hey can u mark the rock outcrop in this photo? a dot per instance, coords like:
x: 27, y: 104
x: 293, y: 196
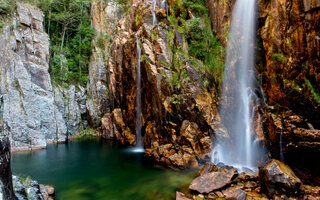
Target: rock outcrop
x: 290, y: 76
x: 105, y: 17
x: 32, y: 190
x: 11, y: 187
x: 277, y: 177
x: 275, y: 180
x: 34, y: 113
x: 213, y: 181
x: 178, y: 121
x: 6, y: 186
x: 287, y: 68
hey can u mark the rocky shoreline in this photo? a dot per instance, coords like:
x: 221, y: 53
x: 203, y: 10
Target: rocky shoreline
x: 17, y: 188
x: 29, y: 189
x: 274, y: 180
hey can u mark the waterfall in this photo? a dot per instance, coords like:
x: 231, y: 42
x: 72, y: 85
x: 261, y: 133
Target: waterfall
x: 164, y: 5
x: 139, y: 139
x: 238, y: 96
x: 280, y: 147
x: 154, y: 4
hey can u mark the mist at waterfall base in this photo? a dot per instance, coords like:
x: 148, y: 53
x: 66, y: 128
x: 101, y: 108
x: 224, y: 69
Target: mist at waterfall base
x: 241, y: 149
x: 98, y: 169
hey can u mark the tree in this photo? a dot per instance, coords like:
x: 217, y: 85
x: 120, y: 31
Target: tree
x: 70, y: 32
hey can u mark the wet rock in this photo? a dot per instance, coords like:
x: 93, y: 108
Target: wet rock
x: 121, y: 131
x: 207, y: 168
x: 234, y: 194
x: 213, y: 181
x: 248, y: 176
x: 183, y: 160
x: 198, y: 197
x: 18, y: 186
x: 6, y: 185
x: 278, y: 178
x: 106, y: 128
x: 47, y: 192
x: 250, y: 184
x: 310, y: 192
x: 256, y: 196
x: 190, y: 132
x: 33, y: 190
x: 181, y: 196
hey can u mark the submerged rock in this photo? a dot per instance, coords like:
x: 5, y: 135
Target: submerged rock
x: 278, y: 178
x: 213, y: 181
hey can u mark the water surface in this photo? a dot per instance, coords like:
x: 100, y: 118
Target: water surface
x: 97, y: 169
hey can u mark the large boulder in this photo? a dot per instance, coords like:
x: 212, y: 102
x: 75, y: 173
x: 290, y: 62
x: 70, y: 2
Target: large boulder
x: 278, y: 178
x: 213, y: 181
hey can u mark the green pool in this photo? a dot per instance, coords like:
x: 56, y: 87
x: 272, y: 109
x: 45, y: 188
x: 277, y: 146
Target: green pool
x: 98, y: 169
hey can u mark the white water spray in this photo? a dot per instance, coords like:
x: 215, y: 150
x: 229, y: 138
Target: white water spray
x: 139, y: 139
x: 236, y: 109
x: 154, y: 4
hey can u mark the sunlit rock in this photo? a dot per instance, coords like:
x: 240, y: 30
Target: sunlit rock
x: 278, y: 178
x: 213, y: 181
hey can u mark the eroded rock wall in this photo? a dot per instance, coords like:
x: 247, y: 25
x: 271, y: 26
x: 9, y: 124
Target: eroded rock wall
x: 178, y: 127
x: 34, y: 113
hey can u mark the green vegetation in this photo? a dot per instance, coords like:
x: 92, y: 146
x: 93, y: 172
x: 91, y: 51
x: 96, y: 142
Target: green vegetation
x: 315, y: 93
x: 26, y: 180
x: 85, y: 133
x: 205, y: 51
x: 6, y: 7
x: 306, y: 85
x: 68, y: 26
x: 278, y: 57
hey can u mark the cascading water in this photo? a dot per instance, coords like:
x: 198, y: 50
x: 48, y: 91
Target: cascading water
x: 139, y: 139
x: 164, y: 5
x: 280, y: 147
x: 236, y: 111
x: 154, y: 4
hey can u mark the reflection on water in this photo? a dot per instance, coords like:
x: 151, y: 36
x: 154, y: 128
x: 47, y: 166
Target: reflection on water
x: 97, y: 169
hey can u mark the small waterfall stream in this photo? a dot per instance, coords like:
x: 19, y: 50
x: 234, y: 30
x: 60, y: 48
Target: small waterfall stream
x: 139, y: 139
x: 164, y: 5
x: 154, y: 4
x: 280, y: 147
x: 236, y: 110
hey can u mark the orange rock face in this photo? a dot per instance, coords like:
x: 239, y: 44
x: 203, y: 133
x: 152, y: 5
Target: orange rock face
x: 288, y: 71
x: 178, y: 122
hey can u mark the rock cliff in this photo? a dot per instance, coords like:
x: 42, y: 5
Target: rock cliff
x: 179, y: 120
x: 34, y: 112
x: 288, y: 71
